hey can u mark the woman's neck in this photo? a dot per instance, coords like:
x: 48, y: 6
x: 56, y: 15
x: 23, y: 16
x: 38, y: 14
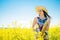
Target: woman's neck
x: 42, y: 16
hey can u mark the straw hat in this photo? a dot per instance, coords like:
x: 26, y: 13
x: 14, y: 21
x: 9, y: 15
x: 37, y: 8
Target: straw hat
x: 38, y: 8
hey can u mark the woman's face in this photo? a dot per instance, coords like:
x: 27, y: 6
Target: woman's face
x: 40, y: 12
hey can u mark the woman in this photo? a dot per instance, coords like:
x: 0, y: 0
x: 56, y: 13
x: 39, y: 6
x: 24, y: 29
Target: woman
x: 43, y: 20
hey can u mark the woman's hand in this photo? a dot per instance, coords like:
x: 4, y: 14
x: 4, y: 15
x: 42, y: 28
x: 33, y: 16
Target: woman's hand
x: 33, y: 29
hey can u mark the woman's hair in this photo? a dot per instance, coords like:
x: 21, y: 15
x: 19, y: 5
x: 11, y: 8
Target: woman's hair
x: 46, y: 14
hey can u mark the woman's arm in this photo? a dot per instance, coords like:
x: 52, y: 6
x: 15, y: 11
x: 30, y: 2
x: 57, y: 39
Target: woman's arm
x: 46, y: 26
x: 34, y: 22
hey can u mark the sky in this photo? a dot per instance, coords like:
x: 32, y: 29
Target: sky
x: 23, y: 11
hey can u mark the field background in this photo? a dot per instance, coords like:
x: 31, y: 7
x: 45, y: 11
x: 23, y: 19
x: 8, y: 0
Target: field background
x: 18, y: 33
